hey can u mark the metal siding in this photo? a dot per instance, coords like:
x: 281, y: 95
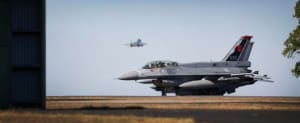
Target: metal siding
x: 22, y: 52
x: 26, y: 50
x: 26, y: 84
x: 25, y: 16
x: 27, y: 53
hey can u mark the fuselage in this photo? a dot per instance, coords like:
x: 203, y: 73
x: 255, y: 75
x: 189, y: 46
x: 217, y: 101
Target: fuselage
x: 192, y: 76
x: 189, y: 69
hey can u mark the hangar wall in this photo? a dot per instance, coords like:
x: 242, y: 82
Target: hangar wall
x: 22, y: 53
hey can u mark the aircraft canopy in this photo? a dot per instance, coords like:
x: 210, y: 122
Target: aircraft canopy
x: 159, y: 64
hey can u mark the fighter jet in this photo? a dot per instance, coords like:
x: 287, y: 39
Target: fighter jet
x: 201, y: 78
x: 137, y: 43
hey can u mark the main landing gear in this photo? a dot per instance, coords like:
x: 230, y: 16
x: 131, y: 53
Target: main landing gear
x: 164, y: 92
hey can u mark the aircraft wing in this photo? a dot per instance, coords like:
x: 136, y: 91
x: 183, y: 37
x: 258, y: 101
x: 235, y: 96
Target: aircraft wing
x: 218, y: 76
x: 262, y: 78
x: 127, y: 44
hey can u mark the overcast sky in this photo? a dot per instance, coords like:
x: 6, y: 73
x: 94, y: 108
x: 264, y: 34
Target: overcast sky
x: 86, y: 51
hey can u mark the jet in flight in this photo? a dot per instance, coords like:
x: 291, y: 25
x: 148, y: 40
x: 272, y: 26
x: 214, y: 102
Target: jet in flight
x: 201, y: 78
x: 137, y: 43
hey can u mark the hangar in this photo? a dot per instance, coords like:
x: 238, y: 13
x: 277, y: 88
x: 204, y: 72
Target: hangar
x: 22, y: 53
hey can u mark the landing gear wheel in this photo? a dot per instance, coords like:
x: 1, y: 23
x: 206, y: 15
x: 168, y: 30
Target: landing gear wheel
x: 163, y: 92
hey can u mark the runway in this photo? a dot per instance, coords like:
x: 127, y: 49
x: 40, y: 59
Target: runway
x: 175, y: 102
x: 201, y: 108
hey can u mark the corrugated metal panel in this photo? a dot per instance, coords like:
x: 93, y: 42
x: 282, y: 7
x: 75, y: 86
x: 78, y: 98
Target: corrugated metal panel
x: 22, y: 50
x: 27, y: 53
x: 26, y: 50
x: 26, y: 86
x: 25, y: 16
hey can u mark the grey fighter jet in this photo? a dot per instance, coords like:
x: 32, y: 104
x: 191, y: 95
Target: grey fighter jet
x: 201, y: 78
x: 137, y: 43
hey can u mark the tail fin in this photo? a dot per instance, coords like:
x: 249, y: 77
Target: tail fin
x: 241, y: 50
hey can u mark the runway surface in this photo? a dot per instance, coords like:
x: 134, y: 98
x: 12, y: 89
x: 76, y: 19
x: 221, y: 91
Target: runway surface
x: 201, y: 108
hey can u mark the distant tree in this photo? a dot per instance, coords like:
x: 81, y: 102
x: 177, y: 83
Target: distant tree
x: 292, y: 44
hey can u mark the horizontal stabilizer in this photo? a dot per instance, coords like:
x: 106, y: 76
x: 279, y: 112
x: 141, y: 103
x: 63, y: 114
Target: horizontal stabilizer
x: 253, y: 75
x: 264, y: 78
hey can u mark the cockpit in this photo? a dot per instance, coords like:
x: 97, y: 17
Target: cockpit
x: 159, y: 64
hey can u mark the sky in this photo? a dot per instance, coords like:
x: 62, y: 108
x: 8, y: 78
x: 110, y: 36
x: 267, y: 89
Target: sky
x: 86, y: 51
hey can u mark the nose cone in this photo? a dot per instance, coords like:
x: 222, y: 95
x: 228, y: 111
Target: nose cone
x: 133, y: 75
